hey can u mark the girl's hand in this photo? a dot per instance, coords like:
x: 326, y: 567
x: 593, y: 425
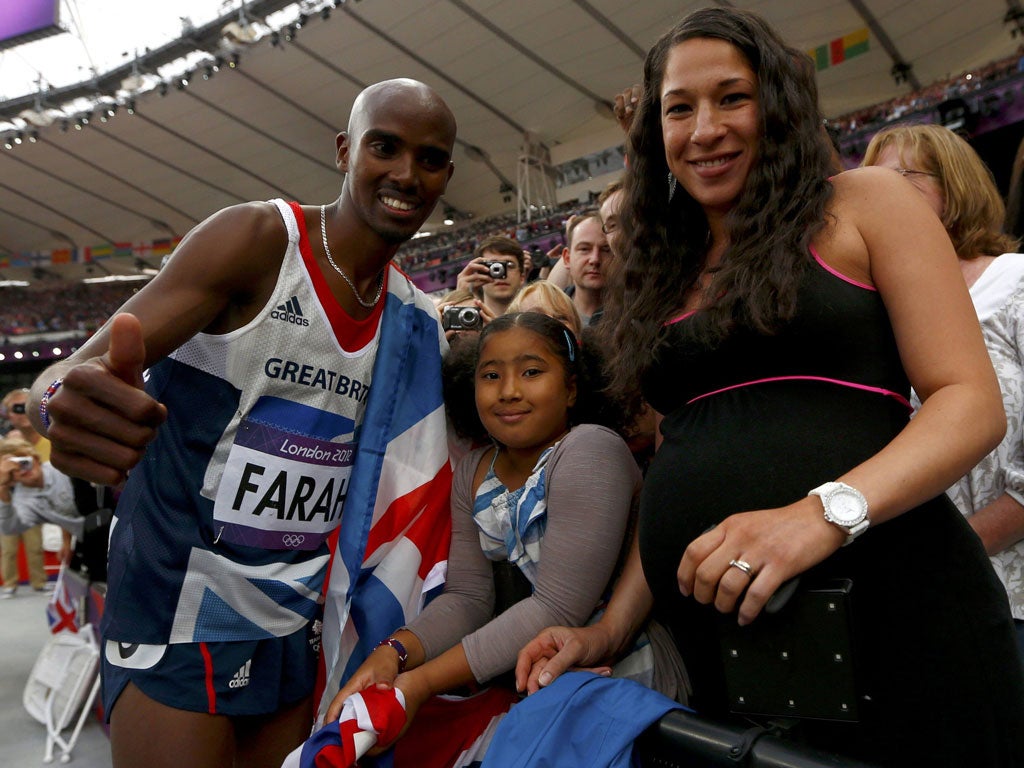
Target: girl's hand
x: 777, y: 544
x: 414, y: 687
x: 379, y: 669
x: 558, y: 649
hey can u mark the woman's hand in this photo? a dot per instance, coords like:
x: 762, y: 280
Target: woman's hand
x: 558, y: 649
x: 379, y: 669
x: 777, y: 544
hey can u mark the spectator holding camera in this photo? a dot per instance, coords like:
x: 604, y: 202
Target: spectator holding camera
x: 495, y: 274
x: 32, y: 492
x: 32, y: 536
x: 462, y: 312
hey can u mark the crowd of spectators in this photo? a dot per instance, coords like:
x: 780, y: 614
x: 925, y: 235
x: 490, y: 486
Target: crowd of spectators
x: 930, y: 96
x: 85, y: 307
x: 457, y: 245
x: 79, y: 307
x: 65, y: 307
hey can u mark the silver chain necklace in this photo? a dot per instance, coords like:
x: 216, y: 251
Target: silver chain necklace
x: 340, y: 271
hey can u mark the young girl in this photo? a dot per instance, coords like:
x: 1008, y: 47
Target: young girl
x: 538, y: 521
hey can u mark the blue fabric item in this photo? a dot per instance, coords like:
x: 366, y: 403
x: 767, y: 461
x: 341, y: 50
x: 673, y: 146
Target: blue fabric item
x: 581, y: 719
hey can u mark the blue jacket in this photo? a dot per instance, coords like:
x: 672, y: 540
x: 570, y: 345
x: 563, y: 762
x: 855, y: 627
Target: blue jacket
x: 581, y: 719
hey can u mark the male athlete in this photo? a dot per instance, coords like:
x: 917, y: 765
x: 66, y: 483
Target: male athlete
x: 292, y: 387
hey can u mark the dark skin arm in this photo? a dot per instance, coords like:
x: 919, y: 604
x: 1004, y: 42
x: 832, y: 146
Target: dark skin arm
x: 221, y: 275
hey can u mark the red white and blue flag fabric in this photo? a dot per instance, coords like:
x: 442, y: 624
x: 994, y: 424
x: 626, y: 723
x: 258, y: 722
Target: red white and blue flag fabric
x: 68, y: 594
x: 366, y: 718
x: 390, y: 553
x: 448, y: 732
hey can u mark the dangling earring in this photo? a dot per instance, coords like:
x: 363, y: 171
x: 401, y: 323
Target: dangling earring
x: 671, y: 185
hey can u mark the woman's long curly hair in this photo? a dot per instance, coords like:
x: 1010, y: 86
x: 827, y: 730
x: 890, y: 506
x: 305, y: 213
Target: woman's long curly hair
x: 782, y: 206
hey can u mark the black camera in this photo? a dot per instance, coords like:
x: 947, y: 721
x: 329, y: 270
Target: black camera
x: 497, y: 269
x: 541, y: 260
x: 462, y: 318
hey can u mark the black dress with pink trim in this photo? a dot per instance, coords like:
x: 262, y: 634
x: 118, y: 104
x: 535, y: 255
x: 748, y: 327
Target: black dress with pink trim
x: 755, y: 423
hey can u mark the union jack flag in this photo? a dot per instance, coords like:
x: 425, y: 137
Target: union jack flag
x: 365, y: 718
x: 62, y: 610
x: 389, y: 555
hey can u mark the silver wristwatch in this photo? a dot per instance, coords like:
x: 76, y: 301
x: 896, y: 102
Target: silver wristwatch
x: 845, y: 507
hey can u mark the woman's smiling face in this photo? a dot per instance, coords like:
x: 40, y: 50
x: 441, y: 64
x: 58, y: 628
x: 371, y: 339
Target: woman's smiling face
x: 710, y: 120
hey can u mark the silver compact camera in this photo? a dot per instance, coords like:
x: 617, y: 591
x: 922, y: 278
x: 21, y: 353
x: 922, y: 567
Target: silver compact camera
x: 24, y: 462
x: 497, y: 269
x: 461, y: 319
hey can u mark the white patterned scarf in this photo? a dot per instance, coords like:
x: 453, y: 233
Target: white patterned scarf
x: 512, y: 523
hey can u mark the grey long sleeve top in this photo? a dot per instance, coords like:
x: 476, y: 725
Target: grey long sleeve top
x: 53, y: 503
x: 592, y: 482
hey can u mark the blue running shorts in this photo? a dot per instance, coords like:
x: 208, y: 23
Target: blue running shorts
x: 249, y: 677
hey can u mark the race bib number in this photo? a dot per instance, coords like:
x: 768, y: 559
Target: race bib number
x: 281, y: 490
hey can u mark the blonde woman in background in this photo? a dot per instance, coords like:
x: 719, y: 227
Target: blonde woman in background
x: 547, y: 298
x: 959, y: 187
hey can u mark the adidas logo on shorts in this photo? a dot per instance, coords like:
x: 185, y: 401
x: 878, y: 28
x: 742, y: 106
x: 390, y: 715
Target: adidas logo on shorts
x: 290, y: 312
x: 241, y: 678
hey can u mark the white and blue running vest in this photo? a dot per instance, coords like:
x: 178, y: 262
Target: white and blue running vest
x: 221, y: 531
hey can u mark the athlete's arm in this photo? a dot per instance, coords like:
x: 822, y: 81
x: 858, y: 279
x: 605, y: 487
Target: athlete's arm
x: 220, y: 275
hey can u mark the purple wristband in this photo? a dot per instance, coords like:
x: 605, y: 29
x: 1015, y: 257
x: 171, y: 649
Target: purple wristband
x: 44, y: 403
x: 403, y: 655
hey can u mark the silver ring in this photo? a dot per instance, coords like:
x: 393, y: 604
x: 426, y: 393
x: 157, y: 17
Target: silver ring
x: 743, y: 565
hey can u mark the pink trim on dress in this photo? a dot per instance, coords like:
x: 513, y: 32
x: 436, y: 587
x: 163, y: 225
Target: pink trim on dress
x: 877, y: 390
x: 840, y: 275
x: 680, y: 317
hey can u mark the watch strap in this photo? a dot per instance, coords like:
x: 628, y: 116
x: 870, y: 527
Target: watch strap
x: 824, y: 491
x: 403, y: 654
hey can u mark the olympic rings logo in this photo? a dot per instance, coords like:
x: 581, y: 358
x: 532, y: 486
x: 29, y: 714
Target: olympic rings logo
x: 292, y: 539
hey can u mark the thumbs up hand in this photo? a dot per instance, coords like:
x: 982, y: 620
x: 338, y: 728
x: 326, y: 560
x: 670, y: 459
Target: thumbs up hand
x: 101, y: 418
x: 126, y: 356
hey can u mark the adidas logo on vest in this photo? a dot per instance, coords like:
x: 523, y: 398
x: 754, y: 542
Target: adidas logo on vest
x: 290, y: 312
x: 241, y: 678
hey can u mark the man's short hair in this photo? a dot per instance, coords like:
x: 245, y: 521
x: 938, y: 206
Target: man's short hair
x: 505, y: 246
x: 576, y: 221
x: 608, y: 191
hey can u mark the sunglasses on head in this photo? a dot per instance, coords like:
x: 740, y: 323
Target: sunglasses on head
x: 18, y: 408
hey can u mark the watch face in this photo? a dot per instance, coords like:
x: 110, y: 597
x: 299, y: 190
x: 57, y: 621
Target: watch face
x: 845, y: 508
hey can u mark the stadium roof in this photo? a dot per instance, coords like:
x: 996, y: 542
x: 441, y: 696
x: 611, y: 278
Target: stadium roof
x: 507, y: 67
